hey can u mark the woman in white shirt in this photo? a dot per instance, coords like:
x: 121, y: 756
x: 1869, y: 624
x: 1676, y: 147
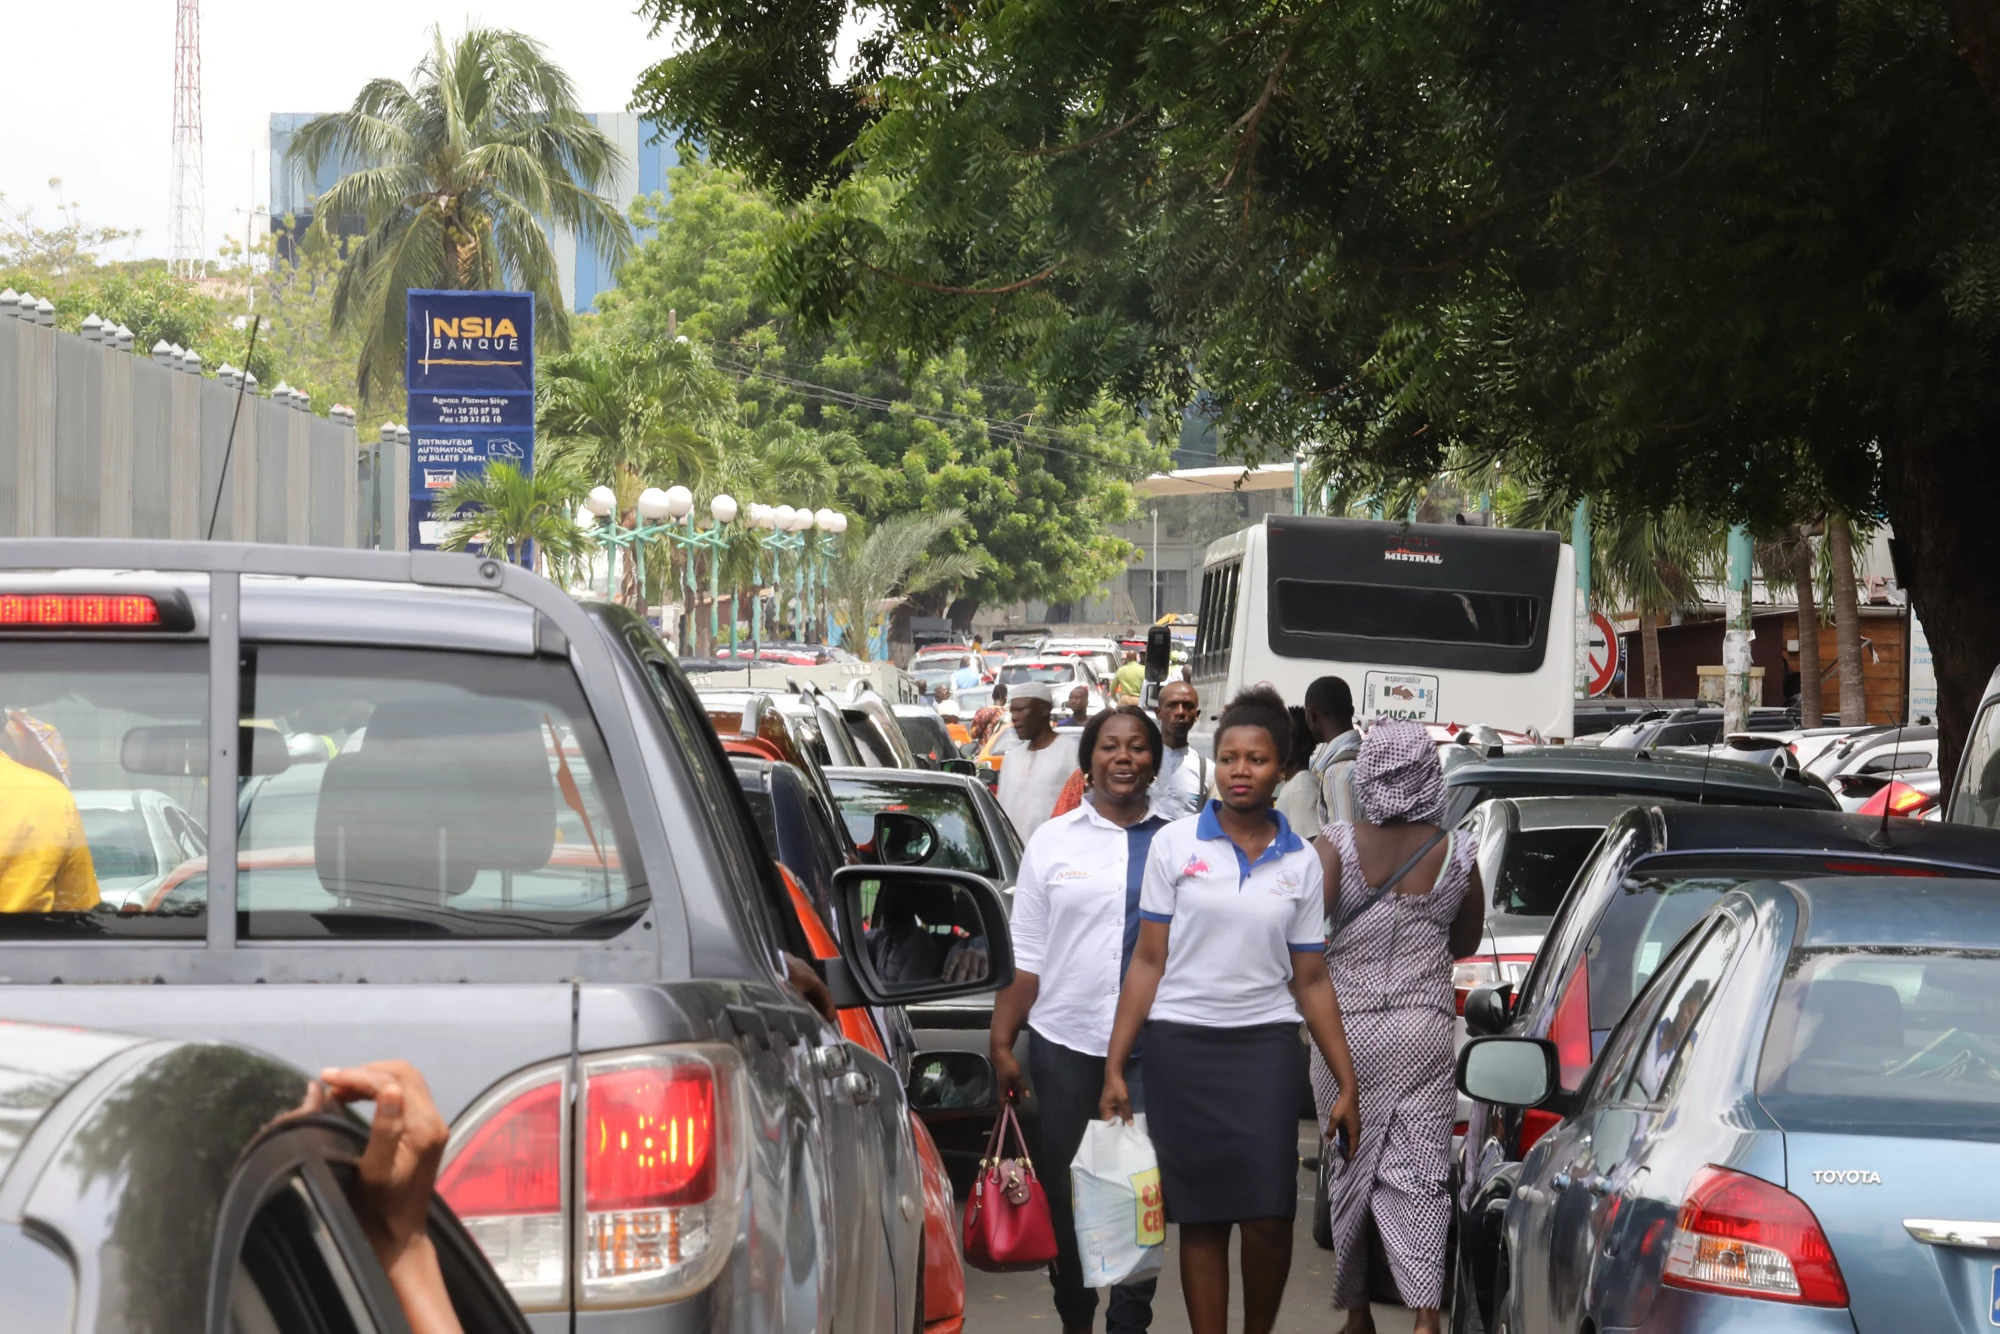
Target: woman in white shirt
x: 1076, y: 916
x: 1231, y: 899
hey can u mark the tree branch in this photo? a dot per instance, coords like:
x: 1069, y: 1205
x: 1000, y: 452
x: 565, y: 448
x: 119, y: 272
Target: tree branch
x: 929, y: 286
x: 1094, y: 140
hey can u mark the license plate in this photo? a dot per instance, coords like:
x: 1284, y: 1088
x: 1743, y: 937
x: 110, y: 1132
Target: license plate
x: 1408, y: 695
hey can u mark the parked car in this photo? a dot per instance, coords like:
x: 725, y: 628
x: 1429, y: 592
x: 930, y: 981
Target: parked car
x: 930, y: 740
x: 1699, y: 725
x: 137, y: 837
x: 974, y: 835
x: 1791, y: 1129
x: 1060, y: 675
x: 816, y: 724
x: 871, y: 719
x: 150, y: 1184
x: 533, y: 875
x: 1572, y: 771
x: 1656, y: 872
x: 809, y: 841
x: 1975, y: 789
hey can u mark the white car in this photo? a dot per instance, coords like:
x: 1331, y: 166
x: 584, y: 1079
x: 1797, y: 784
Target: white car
x: 137, y: 838
x: 1060, y: 674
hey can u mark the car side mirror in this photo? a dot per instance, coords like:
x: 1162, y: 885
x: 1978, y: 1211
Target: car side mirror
x: 1509, y: 1071
x: 964, y: 768
x: 1489, y: 1009
x: 952, y: 1081
x: 902, y: 839
x: 913, y: 934
x: 970, y: 750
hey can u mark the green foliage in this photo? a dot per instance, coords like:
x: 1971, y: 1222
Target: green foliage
x: 1037, y: 487
x: 44, y: 256
x: 874, y: 574
x: 632, y: 413
x: 463, y: 164
x: 513, y: 510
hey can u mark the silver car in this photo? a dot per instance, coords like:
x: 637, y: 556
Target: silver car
x: 520, y: 860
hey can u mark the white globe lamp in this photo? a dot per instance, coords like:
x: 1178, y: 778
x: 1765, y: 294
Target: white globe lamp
x: 680, y: 502
x: 602, y: 501
x: 722, y: 509
x: 823, y: 520
x: 802, y: 519
x: 781, y: 518
x: 839, y: 523
x: 654, y: 504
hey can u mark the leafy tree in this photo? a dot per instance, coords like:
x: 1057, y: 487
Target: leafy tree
x: 1664, y: 254
x: 631, y: 413
x: 466, y: 161
x: 46, y: 255
x: 909, y: 435
x: 872, y: 575
x: 512, y: 510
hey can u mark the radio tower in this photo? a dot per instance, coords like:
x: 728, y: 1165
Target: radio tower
x: 186, y: 226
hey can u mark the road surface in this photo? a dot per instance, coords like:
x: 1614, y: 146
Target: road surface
x: 1021, y: 1303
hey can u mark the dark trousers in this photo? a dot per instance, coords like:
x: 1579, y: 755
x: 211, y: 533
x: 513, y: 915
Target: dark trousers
x: 1068, y: 1084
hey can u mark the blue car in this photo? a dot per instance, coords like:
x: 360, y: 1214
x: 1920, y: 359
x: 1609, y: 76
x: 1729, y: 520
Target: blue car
x: 1795, y: 1127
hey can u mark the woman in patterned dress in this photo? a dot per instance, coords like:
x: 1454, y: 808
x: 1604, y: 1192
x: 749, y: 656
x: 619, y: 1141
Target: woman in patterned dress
x: 1390, y: 955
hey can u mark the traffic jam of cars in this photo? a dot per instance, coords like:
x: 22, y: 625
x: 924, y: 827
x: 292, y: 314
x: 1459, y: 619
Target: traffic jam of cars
x: 692, y: 963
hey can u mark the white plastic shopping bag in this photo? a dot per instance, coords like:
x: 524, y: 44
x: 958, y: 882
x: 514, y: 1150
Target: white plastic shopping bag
x: 1121, y: 1219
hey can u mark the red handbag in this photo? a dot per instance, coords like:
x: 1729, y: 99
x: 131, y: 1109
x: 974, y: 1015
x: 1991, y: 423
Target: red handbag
x: 1007, y: 1225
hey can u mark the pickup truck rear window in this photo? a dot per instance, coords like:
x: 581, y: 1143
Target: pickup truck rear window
x: 381, y: 792
x: 426, y: 793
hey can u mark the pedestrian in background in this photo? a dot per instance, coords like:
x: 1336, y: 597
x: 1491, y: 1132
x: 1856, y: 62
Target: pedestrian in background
x: 1184, y: 774
x: 1129, y: 682
x: 1077, y: 710
x: 1075, y: 920
x: 1034, y: 769
x: 1329, y: 795
x: 1403, y: 901
x: 989, y: 716
x: 1228, y: 957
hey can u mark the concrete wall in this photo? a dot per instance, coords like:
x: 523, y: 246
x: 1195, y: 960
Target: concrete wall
x: 100, y: 443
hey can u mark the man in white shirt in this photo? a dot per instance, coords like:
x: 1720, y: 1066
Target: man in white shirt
x: 1182, y: 786
x: 1323, y: 793
x: 1033, y: 772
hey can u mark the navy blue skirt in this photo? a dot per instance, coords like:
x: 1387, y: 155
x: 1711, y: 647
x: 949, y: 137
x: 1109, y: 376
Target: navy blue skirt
x: 1222, y: 1107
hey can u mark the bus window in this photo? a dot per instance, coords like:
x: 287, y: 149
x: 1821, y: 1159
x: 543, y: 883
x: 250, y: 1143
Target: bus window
x: 1428, y: 615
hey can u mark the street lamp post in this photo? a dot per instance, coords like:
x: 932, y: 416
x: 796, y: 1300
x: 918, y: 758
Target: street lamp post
x: 667, y: 515
x: 777, y: 536
x: 831, y: 524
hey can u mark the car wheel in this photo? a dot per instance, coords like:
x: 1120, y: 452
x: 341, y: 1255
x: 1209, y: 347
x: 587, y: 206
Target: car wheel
x: 1322, y: 1191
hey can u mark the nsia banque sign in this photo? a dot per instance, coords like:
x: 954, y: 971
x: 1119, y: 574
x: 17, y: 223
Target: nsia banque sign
x: 471, y: 376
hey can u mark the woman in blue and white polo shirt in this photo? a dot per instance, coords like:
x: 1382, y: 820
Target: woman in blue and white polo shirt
x: 1230, y: 899
x: 1076, y: 915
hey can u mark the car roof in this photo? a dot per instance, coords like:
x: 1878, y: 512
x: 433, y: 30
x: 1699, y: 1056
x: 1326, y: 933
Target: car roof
x: 1569, y: 812
x: 1663, y: 773
x: 1691, y: 828
x: 1898, y: 911
x: 836, y: 774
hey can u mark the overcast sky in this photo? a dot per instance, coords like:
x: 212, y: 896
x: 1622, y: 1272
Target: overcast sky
x: 88, y: 92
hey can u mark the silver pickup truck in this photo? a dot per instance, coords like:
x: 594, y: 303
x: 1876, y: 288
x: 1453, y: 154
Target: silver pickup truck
x: 426, y: 806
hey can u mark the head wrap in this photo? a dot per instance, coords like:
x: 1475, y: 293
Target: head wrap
x: 1397, y: 776
x: 1030, y: 690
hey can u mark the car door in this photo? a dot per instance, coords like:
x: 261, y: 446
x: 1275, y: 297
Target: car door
x: 1616, y: 1132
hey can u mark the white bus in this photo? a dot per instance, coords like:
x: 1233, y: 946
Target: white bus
x: 1432, y: 622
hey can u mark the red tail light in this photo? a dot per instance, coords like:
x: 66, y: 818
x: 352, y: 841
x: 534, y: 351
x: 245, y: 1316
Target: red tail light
x: 1477, y: 970
x: 90, y: 610
x: 1742, y: 1235
x: 651, y: 1138
x: 1570, y: 1029
x: 662, y: 1177
x: 1898, y: 798
x: 503, y: 1177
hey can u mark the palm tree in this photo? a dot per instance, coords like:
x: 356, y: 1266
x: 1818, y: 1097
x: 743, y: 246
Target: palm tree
x: 870, y: 577
x: 513, y: 510
x: 1846, y: 619
x: 459, y: 168
x: 628, y: 414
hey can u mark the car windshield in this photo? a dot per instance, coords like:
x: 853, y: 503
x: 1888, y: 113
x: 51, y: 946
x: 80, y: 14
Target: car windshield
x: 1657, y: 904
x: 1886, y: 1042
x: 1539, y: 865
x: 121, y: 847
x: 962, y: 840
x: 927, y: 737
x: 1052, y: 673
